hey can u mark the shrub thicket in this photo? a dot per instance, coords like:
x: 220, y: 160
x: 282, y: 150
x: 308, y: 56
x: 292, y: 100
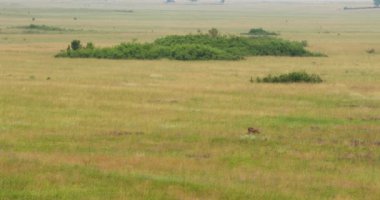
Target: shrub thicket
x: 194, y: 47
x: 260, y: 32
x: 292, y: 77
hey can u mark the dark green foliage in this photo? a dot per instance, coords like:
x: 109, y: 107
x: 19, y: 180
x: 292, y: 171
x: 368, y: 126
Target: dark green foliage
x: 194, y: 47
x: 241, y: 46
x: 199, y: 52
x: 150, y: 52
x: 75, y: 45
x: 260, y: 32
x: 292, y: 77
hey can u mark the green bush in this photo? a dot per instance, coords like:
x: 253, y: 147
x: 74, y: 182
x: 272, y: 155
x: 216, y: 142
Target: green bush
x: 199, y: 52
x: 90, y: 45
x: 260, y: 32
x: 75, y: 45
x: 292, y: 77
x: 242, y: 46
x: 193, y: 47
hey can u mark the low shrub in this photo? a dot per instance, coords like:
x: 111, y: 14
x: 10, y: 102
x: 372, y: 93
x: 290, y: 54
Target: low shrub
x: 292, y: 77
x: 149, y: 52
x: 76, y: 45
x: 90, y: 45
x: 260, y: 32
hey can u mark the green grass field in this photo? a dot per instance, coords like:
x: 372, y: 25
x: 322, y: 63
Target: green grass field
x: 128, y: 129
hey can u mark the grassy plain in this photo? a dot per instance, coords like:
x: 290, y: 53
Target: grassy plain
x: 127, y: 129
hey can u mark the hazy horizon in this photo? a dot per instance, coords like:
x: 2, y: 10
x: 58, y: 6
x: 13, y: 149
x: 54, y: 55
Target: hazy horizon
x: 105, y: 4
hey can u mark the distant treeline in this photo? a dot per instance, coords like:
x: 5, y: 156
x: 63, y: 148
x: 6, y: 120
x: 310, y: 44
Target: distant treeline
x: 360, y: 8
x: 42, y: 28
x: 192, y: 47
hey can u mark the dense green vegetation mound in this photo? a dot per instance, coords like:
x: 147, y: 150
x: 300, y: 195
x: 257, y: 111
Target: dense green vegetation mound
x: 194, y: 47
x: 260, y: 32
x: 292, y: 77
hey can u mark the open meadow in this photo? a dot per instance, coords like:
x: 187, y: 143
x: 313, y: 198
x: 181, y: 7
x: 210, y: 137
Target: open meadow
x: 166, y: 129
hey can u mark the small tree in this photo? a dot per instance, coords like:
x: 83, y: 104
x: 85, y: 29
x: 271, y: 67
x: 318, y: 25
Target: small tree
x: 75, y: 45
x: 213, y: 32
x: 376, y: 2
x: 90, y: 45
